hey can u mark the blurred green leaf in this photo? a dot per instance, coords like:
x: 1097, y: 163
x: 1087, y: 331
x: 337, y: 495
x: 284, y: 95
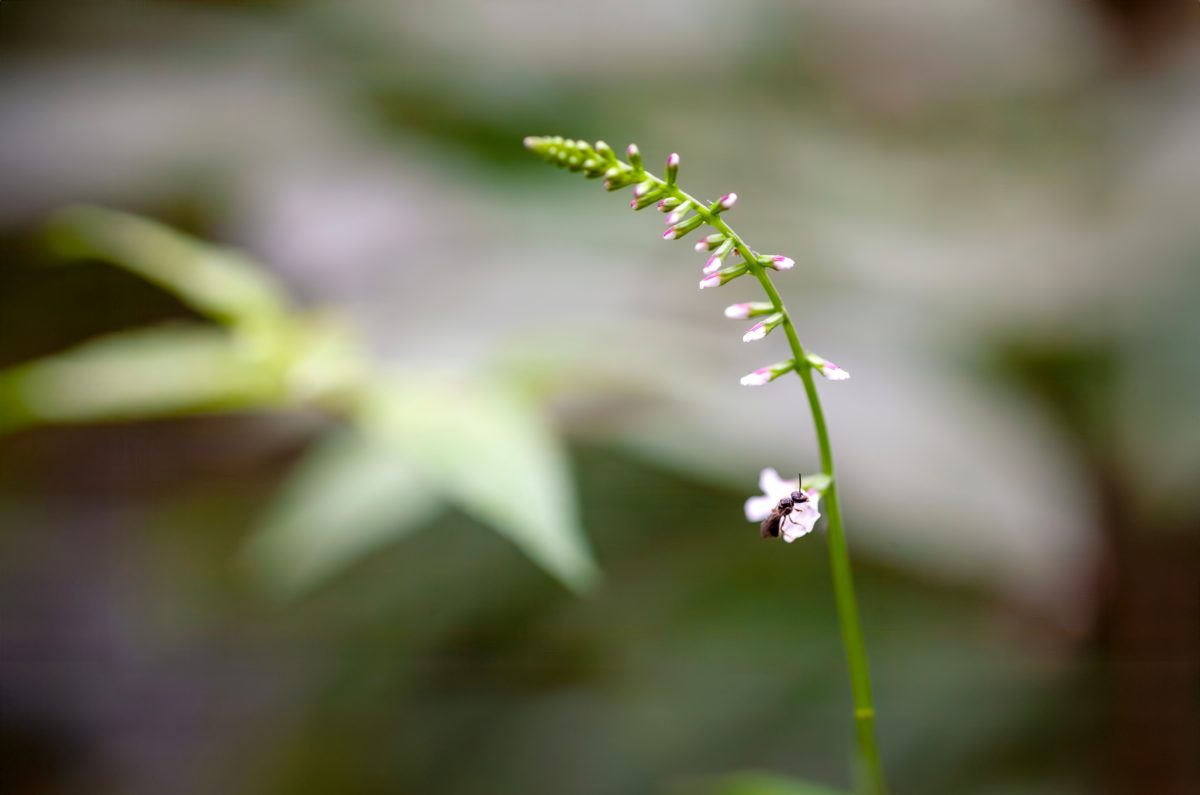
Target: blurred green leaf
x: 349, y: 496
x: 143, y: 373
x: 216, y: 282
x: 494, y: 453
x: 761, y: 784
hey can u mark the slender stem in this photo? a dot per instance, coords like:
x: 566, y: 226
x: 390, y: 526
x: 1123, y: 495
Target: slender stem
x: 870, y: 769
x: 599, y: 162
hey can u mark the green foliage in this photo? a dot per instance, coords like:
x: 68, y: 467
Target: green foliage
x: 759, y: 784
x: 350, y: 495
x: 216, y: 282
x: 145, y: 373
x: 493, y: 452
x: 411, y: 446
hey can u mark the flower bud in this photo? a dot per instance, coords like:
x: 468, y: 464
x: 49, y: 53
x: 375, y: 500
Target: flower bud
x: 748, y: 310
x: 679, y: 230
x: 616, y: 178
x: 668, y: 204
x: 765, y: 375
x: 762, y: 328
x: 722, y: 204
x: 679, y: 213
x: 641, y: 203
x: 718, y: 256
x: 778, y: 262
x: 635, y: 158
x: 710, y: 242
x: 605, y: 151
x: 723, y: 276
x: 827, y: 368
x: 646, y: 188
x: 672, y: 169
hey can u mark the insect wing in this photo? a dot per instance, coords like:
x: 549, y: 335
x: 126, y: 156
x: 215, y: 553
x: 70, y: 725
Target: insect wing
x: 770, y: 525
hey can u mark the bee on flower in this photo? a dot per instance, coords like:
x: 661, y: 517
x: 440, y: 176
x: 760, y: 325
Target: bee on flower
x: 784, y: 509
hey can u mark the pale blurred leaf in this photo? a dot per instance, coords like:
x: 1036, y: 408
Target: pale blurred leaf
x: 216, y: 282
x: 144, y: 373
x: 348, y: 497
x: 761, y: 784
x: 494, y: 453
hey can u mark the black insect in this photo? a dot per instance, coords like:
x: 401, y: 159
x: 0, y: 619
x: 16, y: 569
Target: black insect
x: 782, y: 513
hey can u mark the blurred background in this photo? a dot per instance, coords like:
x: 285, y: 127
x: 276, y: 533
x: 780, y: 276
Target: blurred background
x: 436, y: 487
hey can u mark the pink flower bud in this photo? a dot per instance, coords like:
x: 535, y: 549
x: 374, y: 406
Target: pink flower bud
x: 756, y: 332
x: 780, y: 263
x: 635, y: 157
x: 749, y: 310
x: 765, y: 375
x: 681, y: 228
x: 722, y: 276
x: 718, y: 256
x: 727, y: 201
x: 764, y: 327
x: 827, y: 368
x: 759, y: 377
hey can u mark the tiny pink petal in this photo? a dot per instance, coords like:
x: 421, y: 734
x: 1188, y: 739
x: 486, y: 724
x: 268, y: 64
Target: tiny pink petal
x: 759, y: 377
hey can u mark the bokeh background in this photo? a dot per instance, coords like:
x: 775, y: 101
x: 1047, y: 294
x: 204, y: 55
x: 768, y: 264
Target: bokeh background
x: 994, y: 211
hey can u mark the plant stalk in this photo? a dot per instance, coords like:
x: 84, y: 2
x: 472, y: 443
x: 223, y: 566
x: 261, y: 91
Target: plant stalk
x: 869, y: 773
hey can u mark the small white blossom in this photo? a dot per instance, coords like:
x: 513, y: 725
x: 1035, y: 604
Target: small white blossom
x: 802, y: 518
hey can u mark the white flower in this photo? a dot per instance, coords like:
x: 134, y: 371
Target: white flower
x: 802, y: 518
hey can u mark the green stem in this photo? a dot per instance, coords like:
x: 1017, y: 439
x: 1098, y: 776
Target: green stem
x: 870, y: 772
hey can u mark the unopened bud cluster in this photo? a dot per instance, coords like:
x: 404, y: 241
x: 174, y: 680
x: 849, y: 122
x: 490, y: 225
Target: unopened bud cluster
x: 728, y: 257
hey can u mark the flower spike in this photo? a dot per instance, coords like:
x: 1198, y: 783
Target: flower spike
x: 787, y: 509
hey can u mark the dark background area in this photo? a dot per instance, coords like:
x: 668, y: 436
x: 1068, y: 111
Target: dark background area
x: 993, y: 210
